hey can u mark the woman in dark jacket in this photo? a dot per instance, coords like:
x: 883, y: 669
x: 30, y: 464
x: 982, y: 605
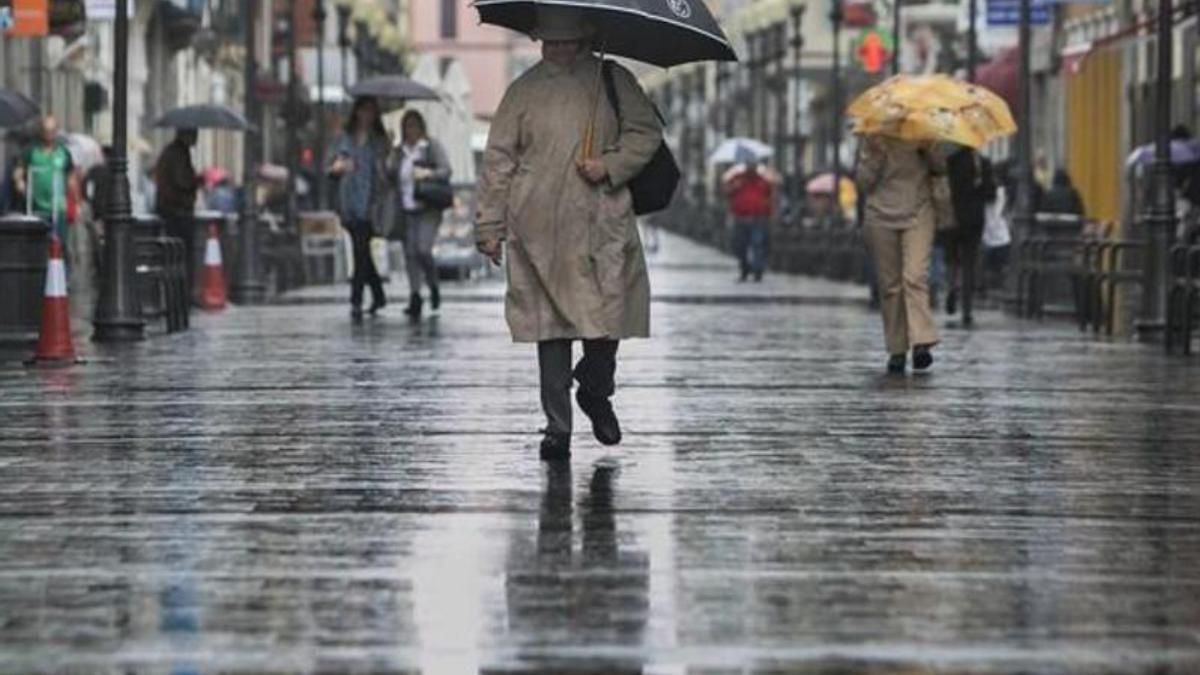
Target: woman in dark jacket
x: 972, y: 187
x: 1062, y: 197
x: 418, y: 158
x: 360, y: 165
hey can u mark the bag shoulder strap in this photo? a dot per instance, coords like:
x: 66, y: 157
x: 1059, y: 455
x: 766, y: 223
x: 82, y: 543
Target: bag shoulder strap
x: 610, y: 89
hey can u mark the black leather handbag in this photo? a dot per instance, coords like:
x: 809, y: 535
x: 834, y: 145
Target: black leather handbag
x: 433, y: 193
x: 654, y: 186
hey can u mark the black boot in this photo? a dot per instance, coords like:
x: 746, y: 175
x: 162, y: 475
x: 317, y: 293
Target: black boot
x: 377, y: 303
x: 605, y: 425
x: 555, y: 447
x: 414, y: 305
x: 897, y: 363
x: 922, y: 358
x: 435, y: 297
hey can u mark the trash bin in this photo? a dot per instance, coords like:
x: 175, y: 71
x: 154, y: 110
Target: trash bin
x: 24, y: 248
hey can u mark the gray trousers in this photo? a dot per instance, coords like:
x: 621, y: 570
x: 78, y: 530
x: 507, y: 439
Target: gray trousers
x: 595, y: 373
x: 420, y: 233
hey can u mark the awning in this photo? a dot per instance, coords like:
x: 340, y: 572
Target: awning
x: 1001, y: 75
x: 1074, y: 55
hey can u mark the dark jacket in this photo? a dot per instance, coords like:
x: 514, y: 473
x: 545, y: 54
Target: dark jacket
x: 972, y: 187
x: 1062, y: 197
x: 175, y: 182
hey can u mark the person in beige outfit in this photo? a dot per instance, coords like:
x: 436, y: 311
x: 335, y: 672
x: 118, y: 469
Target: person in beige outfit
x: 896, y: 177
x: 576, y: 268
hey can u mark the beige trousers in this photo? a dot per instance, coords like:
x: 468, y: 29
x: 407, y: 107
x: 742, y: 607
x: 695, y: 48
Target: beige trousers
x: 902, y: 269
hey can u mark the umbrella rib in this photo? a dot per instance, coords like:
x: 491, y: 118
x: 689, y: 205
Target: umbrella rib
x: 588, y: 5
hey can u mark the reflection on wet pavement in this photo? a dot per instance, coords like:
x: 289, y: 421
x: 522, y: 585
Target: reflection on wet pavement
x: 280, y: 491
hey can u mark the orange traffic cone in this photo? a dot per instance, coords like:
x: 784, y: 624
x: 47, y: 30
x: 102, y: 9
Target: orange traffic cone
x: 212, y: 290
x: 54, y: 342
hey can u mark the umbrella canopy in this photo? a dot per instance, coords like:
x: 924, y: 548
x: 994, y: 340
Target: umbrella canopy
x: 932, y: 108
x: 16, y: 109
x: 1183, y: 151
x: 740, y: 151
x: 213, y: 175
x: 85, y: 151
x: 823, y: 185
x: 204, y: 116
x: 659, y: 32
x: 394, y: 86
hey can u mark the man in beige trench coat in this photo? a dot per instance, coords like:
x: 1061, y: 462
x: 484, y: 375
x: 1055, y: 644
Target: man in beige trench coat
x: 576, y: 269
x: 896, y: 177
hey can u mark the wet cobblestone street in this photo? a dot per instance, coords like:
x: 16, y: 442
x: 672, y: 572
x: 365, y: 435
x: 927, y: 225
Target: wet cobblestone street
x: 278, y: 490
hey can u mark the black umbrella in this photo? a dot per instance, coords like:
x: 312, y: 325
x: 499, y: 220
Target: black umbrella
x: 204, y: 116
x: 16, y: 109
x: 660, y: 32
x: 393, y: 86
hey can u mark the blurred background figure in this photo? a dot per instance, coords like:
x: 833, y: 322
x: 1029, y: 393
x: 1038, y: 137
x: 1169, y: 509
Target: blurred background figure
x: 422, y: 172
x: 359, y: 165
x: 750, y: 190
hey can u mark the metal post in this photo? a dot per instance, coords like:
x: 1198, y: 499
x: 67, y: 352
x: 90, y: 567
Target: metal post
x: 343, y: 19
x: 797, y: 52
x: 835, y: 16
x: 1159, y: 215
x: 897, y: 40
x: 319, y: 156
x: 1023, y: 217
x: 293, y: 119
x: 118, y: 312
x: 972, y: 39
x: 248, y: 286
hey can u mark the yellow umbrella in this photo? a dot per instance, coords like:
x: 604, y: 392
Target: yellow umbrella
x: 932, y: 108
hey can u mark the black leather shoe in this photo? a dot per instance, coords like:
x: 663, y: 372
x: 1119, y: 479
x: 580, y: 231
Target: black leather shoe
x: 605, y: 426
x: 414, y: 305
x: 356, y: 314
x: 897, y: 363
x: 556, y: 448
x: 435, y: 298
x: 376, y: 305
x: 922, y: 358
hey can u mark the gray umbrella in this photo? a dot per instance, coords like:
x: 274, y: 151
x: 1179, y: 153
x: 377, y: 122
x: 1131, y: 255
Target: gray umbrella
x: 394, y: 86
x: 16, y: 109
x: 204, y: 116
x: 660, y: 32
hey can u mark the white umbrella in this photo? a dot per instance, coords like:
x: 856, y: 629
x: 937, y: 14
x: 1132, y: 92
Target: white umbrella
x: 740, y: 151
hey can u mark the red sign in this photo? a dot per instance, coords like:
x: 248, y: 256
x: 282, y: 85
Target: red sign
x: 873, y: 53
x: 30, y: 18
x: 858, y: 14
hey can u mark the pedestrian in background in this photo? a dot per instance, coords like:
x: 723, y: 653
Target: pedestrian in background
x: 751, y: 195
x: 997, y: 234
x: 176, y: 185
x: 1062, y: 197
x: 420, y: 161
x: 972, y: 187
x: 360, y: 165
x: 896, y: 178
x: 576, y: 268
x: 46, y: 178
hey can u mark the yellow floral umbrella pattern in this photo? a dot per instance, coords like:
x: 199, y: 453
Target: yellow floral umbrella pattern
x: 932, y: 108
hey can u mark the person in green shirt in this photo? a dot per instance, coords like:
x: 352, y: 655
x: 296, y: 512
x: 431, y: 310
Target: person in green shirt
x: 45, y: 177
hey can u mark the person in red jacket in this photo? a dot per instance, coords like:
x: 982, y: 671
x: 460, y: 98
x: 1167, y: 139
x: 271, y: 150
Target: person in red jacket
x: 751, y: 195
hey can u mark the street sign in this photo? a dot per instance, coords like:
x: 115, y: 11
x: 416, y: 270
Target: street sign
x: 28, y: 18
x: 1008, y: 12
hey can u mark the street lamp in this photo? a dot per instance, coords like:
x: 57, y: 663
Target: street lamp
x: 896, y: 41
x: 248, y: 286
x: 343, y: 22
x: 319, y: 17
x: 1159, y: 215
x: 1023, y: 217
x: 797, y: 43
x: 972, y: 39
x: 835, y: 16
x: 118, y: 313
